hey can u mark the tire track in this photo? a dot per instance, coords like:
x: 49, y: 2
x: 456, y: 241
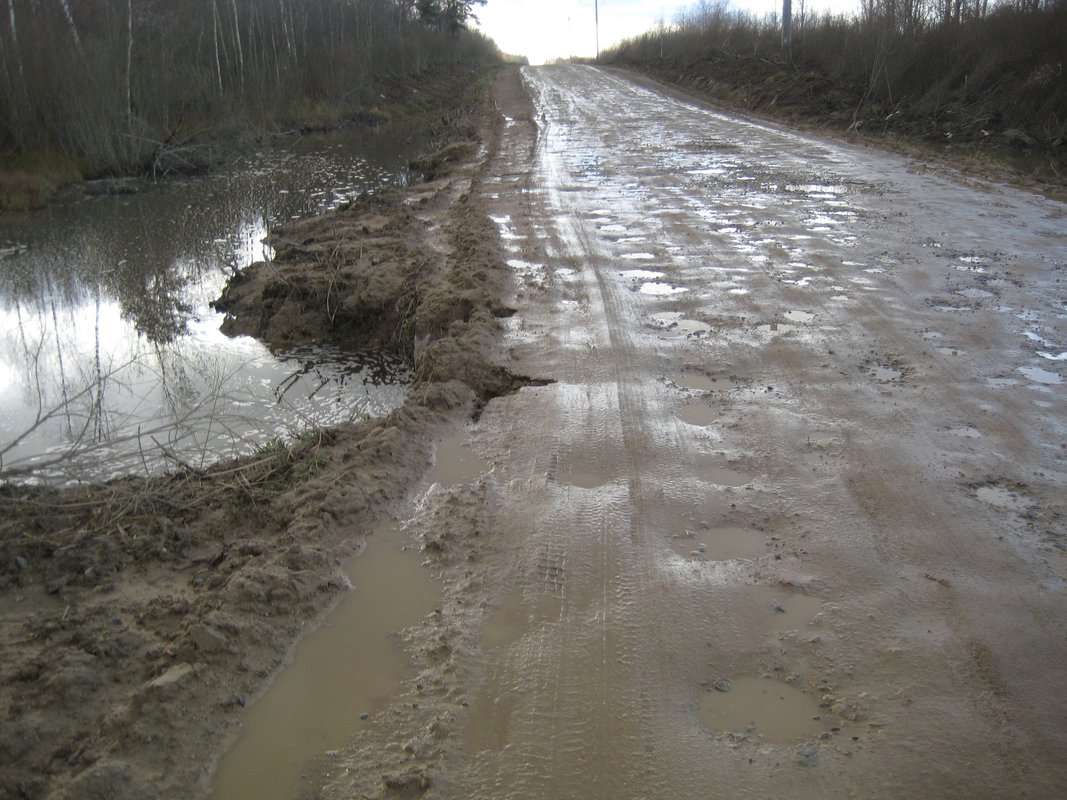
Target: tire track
x: 601, y: 683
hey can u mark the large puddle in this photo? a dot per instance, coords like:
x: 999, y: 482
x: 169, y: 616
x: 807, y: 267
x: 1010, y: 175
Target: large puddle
x: 341, y: 675
x: 110, y: 357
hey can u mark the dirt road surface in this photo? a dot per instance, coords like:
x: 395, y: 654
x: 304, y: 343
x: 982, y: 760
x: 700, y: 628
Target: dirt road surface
x: 788, y: 522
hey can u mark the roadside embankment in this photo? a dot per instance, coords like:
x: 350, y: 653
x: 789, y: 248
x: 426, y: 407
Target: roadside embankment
x: 412, y: 108
x: 986, y: 93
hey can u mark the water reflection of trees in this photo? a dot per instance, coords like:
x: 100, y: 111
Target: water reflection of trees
x: 153, y: 304
x: 323, y: 365
x: 102, y: 410
x: 99, y: 304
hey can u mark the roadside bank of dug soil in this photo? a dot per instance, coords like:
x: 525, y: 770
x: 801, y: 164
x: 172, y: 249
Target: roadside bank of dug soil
x: 410, y: 109
x: 138, y: 618
x: 781, y: 92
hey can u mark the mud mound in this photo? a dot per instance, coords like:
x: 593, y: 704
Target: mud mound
x: 350, y: 277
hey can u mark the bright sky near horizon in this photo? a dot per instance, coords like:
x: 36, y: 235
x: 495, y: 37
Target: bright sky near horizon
x: 545, y: 29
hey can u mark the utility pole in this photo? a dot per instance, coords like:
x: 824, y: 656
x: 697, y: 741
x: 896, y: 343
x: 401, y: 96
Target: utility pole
x: 787, y: 28
x: 596, y: 18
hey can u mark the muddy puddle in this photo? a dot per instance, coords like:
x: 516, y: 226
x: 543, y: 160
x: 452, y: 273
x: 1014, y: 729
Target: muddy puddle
x: 506, y: 623
x: 660, y: 289
x: 1040, y: 376
x: 341, y: 675
x: 767, y: 709
x: 455, y: 463
x: 696, y: 381
x: 719, y: 544
x: 585, y: 480
x: 490, y: 722
x: 698, y: 414
x: 674, y: 323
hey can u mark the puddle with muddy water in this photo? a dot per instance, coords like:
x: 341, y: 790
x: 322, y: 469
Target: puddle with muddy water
x: 348, y: 668
x: 696, y: 381
x: 773, y: 711
x: 455, y: 463
x: 660, y: 289
x: 723, y: 476
x: 720, y: 544
x: 489, y: 722
x: 1041, y: 376
x: 698, y: 414
x: 673, y: 323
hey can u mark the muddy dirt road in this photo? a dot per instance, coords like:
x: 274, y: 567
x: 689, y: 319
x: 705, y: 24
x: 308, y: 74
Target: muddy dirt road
x: 789, y: 521
x: 762, y: 497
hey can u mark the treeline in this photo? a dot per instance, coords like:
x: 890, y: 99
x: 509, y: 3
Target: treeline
x: 128, y: 85
x: 954, y: 70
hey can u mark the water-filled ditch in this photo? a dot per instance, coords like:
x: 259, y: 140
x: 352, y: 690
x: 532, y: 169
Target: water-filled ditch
x: 111, y: 360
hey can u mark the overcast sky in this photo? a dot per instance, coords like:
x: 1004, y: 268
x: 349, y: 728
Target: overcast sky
x: 544, y: 29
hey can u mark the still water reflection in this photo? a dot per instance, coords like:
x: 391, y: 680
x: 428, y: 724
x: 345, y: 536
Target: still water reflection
x: 110, y: 357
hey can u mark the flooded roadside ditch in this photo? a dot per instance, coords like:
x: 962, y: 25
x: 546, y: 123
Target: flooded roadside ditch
x: 341, y: 674
x: 111, y: 358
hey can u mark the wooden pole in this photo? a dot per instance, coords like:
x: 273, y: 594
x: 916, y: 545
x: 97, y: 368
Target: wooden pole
x: 787, y: 28
x: 596, y: 18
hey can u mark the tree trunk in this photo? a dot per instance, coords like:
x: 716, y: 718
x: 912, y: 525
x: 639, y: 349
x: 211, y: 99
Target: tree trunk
x: 129, y: 60
x: 237, y: 42
x: 65, y: 5
x: 218, y: 60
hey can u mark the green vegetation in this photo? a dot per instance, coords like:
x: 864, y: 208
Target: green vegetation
x: 988, y: 79
x: 149, y: 86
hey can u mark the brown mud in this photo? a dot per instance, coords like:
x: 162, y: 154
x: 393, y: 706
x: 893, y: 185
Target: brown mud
x: 138, y: 619
x: 804, y: 99
x: 843, y: 576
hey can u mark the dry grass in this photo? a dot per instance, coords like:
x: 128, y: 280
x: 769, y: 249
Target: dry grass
x: 988, y: 90
x: 28, y: 182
